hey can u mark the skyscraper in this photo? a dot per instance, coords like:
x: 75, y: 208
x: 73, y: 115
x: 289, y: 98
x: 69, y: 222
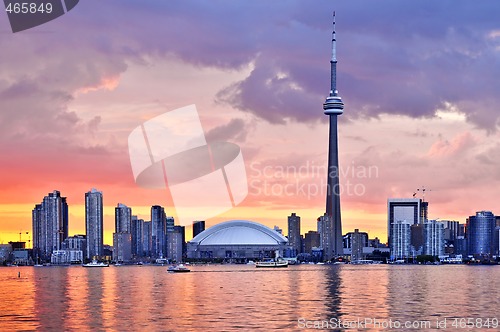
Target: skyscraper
x: 333, y: 107
x: 311, y: 240
x: 169, y: 224
x: 122, y: 238
x: 147, y: 238
x: 294, y: 233
x: 94, y: 223
x: 158, y: 231
x: 480, y: 230
x: 175, y: 244
x: 433, y: 238
x: 359, y: 240
x: 50, y: 225
x: 400, y: 244
x: 198, y: 227
x: 123, y: 219
x: 137, y: 237
x: 411, y: 210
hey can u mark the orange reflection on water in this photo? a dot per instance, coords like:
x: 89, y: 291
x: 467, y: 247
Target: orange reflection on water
x: 17, y: 304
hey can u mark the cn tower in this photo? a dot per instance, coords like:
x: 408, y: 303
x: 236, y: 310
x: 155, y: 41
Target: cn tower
x: 333, y: 107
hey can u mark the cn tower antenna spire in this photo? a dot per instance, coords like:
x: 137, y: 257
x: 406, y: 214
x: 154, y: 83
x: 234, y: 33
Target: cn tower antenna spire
x: 333, y: 62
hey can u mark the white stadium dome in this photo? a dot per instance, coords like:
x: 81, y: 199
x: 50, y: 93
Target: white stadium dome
x: 239, y: 232
x: 236, y: 239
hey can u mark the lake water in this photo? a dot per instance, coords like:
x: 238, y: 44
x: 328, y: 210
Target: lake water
x: 241, y: 297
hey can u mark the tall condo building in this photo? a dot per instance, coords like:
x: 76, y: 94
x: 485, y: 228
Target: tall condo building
x: 123, y: 219
x: 147, y: 238
x: 158, y: 231
x: 198, y: 227
x: 434, y: 238
x: 170, y: 223
x: 175, y: 244
x: 94, y: 223
x: 480, y: 238
x: 50, y: 225
x: 294, y: 234
x: 410, y: 210
x: 122, y: 238
x: 333, y: 107
x: 401, y: 239
x: 137, y: 237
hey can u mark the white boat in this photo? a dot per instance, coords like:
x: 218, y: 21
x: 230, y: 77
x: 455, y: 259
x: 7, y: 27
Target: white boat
x: 96, y: 264
x: 272, y: 263
x: 178, y: 269
x: 365, y: 261
x: 276, y: 262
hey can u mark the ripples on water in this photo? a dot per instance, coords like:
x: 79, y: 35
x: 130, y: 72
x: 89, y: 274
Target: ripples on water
x: 235, y: 297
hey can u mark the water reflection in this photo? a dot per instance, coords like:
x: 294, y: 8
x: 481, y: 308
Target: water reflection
x: 51, y: 297
x: 240, y: 297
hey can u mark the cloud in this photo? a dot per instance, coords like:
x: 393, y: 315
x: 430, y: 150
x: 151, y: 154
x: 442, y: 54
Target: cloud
x: 236, y: 130
x: 445, y: 148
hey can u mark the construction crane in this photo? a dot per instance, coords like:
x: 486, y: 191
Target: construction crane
x: 423, y: 190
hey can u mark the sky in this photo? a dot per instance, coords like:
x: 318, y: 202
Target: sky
x: 420, y: 83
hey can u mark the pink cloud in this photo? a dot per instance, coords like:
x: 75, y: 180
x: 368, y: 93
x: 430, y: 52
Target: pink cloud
x: 446, y: 148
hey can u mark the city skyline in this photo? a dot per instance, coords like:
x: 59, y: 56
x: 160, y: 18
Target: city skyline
x: 426, y: 75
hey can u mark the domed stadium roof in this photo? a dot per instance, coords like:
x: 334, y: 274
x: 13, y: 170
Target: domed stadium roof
x: 239, y: 232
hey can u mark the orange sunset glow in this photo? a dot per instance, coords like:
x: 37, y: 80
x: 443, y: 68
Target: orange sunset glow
x: 69, y: 101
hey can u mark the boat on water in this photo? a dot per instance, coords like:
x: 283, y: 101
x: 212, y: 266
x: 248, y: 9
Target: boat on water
x: 364, y: 262
x: 272, y: 263
x: 178, y: 269
x: 96, y: 264
x: 276, y: 262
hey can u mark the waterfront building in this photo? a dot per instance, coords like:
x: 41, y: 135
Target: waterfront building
x: 434, y: 238
x: 169, y: 224
x: 460, y: 246
x: 417, y: 239
x: 324, y: 229
x: 462, y: 229
x: 496, y: 241
x: 480, y: 234
x: 451, y: 229
x: 237, y: 239
x: 123, y: 219
x: 175, y: 244
x: 5, y: 251
x: 94, y: 223
x: 76, y: 248
x: 358, y: 241
x: 401, y: 239
x: 147, y: 238
x: 158, y: 231
x: 411, y: 210
x: 198, y: 227
x: 311, y: 240
x: 122, y: 247
x: 348, y: 238
x: 137, y: 236
x: 294, y: 234
x: 182, y: 231
x: 49, y: 225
